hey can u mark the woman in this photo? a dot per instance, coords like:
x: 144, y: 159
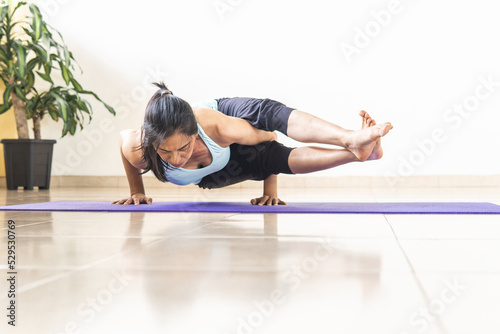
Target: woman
x: 232, y: 141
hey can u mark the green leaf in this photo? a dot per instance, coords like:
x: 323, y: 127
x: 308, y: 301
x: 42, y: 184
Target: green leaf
x: 65, y: 73
x: 30, y: 83
x: 21, y: 59
x: 47, y: 69
x: 5, y: 107
x: 20, y: 93
x: 76, y: 85
x: 52, y: 111
x: 72, y: 127
x: 6, y: 93
x: 45, y: 77
x: 19, y: 4
x: 41, y: 53
x: 65, y: 129
x: 33, y: 63
x: 88, y: 110
x: 54, y: 115
x: 82, y: 105
x: 63, y: 107
x: 29, y: 32
x: 46, y: 41
x: 3, y: 55
x: 30, y: 109
x: 37, y: 22
x: 66, y: 56
x: 3, y: 13
x: 110, y: 109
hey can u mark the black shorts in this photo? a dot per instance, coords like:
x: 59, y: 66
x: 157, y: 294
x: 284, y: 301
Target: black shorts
x: 264, y: 114
x: 255, y: 162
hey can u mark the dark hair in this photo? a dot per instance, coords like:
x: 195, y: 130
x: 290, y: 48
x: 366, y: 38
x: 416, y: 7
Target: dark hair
x: 166, y: 114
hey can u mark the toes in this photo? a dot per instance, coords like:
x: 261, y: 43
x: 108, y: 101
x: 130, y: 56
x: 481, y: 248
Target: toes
x: 385, y: 128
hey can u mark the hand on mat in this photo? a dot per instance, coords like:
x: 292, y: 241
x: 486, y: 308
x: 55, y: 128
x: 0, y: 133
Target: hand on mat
x: 267, y: 200
x: 136, y: 199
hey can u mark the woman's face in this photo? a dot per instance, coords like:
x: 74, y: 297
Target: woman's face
x: 177, y: 149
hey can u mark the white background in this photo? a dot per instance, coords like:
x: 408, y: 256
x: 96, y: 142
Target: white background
x: 410, y: 69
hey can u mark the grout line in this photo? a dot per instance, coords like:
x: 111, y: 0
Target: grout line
x: 59, y: 276
x: 420, y: 286
x: 29, y: 224
x: 88, y: 236
x: 287, y: 236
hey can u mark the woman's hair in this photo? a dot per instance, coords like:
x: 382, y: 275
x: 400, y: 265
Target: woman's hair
x: 166, y: 114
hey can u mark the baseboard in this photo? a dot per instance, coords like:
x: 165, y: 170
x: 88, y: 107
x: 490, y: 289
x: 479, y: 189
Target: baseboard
x: 295, y: 181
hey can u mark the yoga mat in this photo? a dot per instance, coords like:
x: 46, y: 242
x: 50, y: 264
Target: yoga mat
x: 239, y: 207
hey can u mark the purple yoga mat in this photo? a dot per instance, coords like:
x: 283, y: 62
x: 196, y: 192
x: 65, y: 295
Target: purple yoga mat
x: 382, y: 208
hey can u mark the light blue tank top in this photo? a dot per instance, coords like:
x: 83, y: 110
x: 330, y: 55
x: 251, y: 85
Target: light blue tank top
x: 220, y: 158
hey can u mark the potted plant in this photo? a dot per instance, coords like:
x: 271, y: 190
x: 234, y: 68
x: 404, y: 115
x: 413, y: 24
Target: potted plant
x: 31, y: 50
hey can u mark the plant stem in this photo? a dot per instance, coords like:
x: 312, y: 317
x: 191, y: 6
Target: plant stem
x: 20, y: 115
x: 36, y: 127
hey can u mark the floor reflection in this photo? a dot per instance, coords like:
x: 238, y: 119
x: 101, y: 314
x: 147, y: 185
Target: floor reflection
x: 195, y: 270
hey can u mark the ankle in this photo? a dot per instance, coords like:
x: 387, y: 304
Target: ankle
x: 347, y: 139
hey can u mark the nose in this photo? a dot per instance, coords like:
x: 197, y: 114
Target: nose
x: 176, y: 159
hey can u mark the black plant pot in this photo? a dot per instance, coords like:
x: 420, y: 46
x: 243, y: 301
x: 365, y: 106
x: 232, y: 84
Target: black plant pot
x: 28, y: 162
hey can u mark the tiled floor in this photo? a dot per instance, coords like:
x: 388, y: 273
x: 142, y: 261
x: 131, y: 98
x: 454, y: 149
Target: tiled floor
x: 253, y: 273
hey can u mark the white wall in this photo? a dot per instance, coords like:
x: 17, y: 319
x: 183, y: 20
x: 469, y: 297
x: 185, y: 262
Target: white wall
x: 420, y: 62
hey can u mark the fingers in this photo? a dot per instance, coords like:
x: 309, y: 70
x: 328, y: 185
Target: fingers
x: 256, y: 201
x: 267, y: 200
x: 133, y: 199
x: 120, y: 202
x: 270, y: 201
x: 261, y: 201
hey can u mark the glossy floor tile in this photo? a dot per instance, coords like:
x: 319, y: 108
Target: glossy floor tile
x: 463, y: 302
x: 226, y: 273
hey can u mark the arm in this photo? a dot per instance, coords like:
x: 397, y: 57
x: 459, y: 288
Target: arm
x: 236, y: 130
x: 270, y: 196
x: 134, y: 177
x: 137, y: 192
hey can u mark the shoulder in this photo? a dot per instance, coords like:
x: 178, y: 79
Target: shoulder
x: 210, y: 120
x: 130, y: 141
x: 129, y: 137
x: 207, y: 115
x: 221, y: 128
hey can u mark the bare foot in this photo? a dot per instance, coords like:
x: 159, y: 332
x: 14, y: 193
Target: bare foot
x: 362, y: 142
x: 366, y: 122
